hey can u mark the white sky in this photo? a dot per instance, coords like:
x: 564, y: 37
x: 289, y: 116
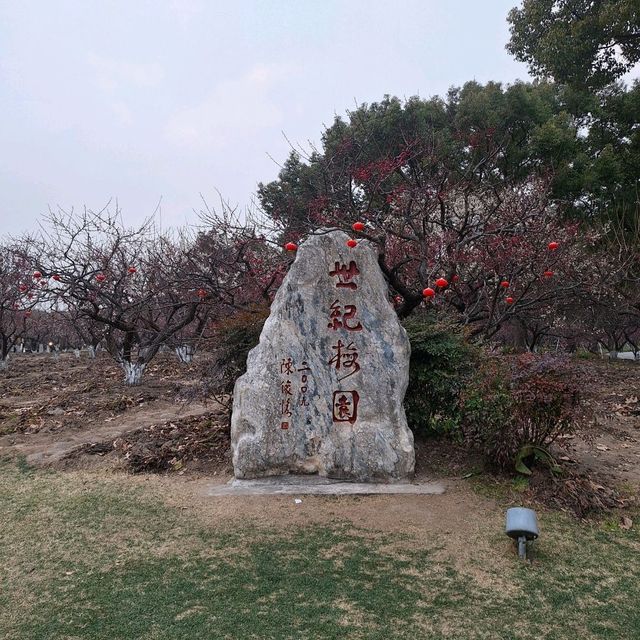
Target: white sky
x: 138, y: 100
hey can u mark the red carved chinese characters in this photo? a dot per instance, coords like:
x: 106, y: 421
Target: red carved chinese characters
x: 345, y: 358
x: 345, y: 274
x: 303, y: 401
x: 288, y: 401
x: 340, y: 319
x: 286, y: 368
x: 345, y: 406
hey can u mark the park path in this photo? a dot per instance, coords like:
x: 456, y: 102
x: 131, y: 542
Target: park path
x: 48, y: 447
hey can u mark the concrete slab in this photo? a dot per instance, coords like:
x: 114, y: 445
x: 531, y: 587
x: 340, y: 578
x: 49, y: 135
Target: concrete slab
x: 314, y: 485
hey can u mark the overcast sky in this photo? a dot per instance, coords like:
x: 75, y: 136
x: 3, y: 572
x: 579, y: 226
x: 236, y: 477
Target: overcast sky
x: 141, y: 100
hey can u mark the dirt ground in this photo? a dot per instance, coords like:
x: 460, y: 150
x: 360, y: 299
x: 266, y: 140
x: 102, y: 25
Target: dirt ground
x: 77, y: 415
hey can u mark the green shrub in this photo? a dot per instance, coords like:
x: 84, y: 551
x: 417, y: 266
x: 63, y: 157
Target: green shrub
x: 441, y: 365
x: 514, y: 408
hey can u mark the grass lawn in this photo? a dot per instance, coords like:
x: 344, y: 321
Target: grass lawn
x: 96, y: 558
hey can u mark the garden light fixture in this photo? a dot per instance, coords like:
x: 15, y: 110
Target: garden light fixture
x: 522, y: 526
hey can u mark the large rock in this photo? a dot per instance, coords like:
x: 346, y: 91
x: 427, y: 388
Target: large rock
x: 324, y: 388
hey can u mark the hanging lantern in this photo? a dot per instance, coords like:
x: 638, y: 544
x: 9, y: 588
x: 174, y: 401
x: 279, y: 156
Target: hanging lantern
x: 553, y: 246
x: 548, y: 274
x: 56, y: 277
x: 504, y: 284
x: 358, y: 226
x: 101, y: 278
x: 37, y: 275
x: 23, y: 288
x: 509, y: 300
x: 428, y: 292
x: 455, y: 277
x: 131, y: 270
x: 351, y: 243
x: 202, y: 294
x: 442, y: 283
x: 291, y: 246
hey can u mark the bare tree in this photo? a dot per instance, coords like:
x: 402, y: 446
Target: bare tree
x: 126, y: 280
x: 20, y: 291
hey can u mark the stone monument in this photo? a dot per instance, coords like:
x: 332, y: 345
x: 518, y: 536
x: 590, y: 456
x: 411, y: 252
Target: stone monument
x: 324, y: 387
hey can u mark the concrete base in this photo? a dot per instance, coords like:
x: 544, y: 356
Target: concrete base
x: 315, y: 485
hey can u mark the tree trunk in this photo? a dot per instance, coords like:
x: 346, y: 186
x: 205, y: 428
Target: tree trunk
x: 133, y: 372
x: 4, y: 364
x: 92, y: 351
x: 76, y: 353
x: 185, y: 353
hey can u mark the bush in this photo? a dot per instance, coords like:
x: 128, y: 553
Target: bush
x: 235, y: 336
x: 441, y: 365
x: 519, y: 406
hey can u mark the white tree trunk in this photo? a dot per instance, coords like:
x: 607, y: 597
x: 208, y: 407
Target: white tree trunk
x: 76, y: 353
x: 133, y: 372
x: 92, y: 351
x: 185, y: 353
x: 4, y: 364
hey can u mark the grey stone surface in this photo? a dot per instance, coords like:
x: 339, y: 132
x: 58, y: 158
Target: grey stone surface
x: 324, y: 388
x: 316, y: 485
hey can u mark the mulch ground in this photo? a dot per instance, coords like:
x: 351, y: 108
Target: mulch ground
x: 47, y: 396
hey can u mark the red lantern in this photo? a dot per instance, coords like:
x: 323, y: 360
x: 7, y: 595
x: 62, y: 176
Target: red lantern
x: 56, y: 277
x: 37, y: 275
x: 442, y: 283
x: 131, y: 270
x: 553, y: 246
x: 455, y: 278
x: 509, y: 300
x: 351, y: 243
x: 358, y: 226
x: 202, y: 294
x: 548, y: 274
x: 291, y: 246
x: 398, y: 299
x: 504, y: 284
x: 23, y: 287
x: 428, y: 292
x: 101, y: 277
